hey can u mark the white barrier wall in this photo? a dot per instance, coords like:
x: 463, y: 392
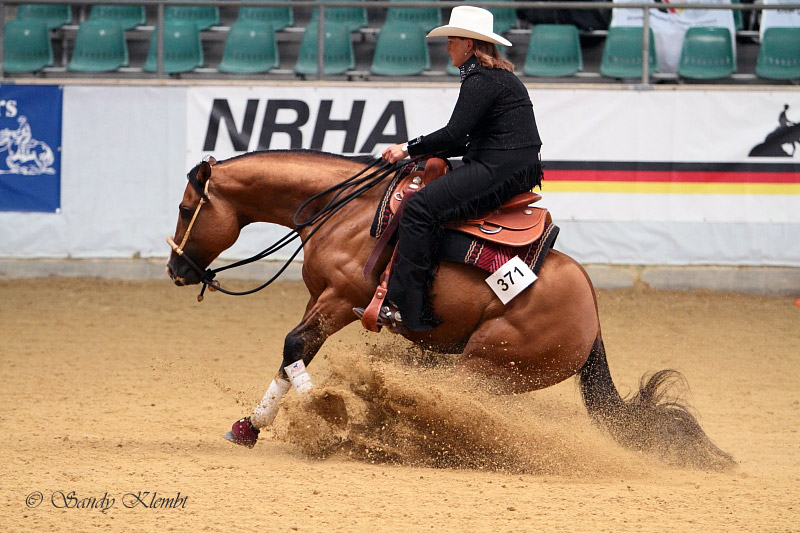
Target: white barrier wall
x: 121, y: 177
x: 673, y: 176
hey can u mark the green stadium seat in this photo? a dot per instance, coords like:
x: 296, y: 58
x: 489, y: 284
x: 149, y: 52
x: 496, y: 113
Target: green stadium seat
x: 622, y: 53
x: 353, y: 18
x: 339, y: 56
x: 183, y: 51
x: 128, y: 16
x: 505, y: 18
x: 738, y: 19
x: 26, y: 46
x: 251, y: 48
x: 427, y: 17
x: 99, y: 47
x: 53, y: 15
x: 203, y: 16
x: 707, y: 54
x: 553, y: 50
x: 277, y: 17
x: 779, y: 54
x: 401, y: 50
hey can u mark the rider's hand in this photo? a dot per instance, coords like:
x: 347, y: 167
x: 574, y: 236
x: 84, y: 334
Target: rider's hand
x: 395, y: 153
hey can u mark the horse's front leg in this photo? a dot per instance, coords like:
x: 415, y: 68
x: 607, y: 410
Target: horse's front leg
x: 324, y: 316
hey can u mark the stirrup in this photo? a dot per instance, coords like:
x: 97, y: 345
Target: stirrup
x: 392, y: 314
x: 389, y: 316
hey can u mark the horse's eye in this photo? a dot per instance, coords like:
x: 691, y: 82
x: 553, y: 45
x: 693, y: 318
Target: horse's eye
x: 186, y: 212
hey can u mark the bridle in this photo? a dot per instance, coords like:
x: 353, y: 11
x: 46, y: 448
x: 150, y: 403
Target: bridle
x: 206, y: 276
x: 203, y: 199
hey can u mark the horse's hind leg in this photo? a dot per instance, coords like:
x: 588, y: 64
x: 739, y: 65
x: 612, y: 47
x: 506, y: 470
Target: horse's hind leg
x: 540, y: 339
x: 324, y: 316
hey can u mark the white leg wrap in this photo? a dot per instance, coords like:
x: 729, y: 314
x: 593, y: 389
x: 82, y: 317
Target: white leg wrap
x: 299, y: 377
x: 265, y: 412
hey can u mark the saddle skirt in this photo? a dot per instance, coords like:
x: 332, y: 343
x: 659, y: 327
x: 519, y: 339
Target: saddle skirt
x: 515, y: 229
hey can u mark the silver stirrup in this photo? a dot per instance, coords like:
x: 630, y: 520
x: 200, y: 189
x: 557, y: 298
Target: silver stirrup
x: 394, y: 318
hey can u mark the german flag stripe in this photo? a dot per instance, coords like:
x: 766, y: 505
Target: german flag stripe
x: 670, y: 188
x: 672, y: 178
x: 655, y: 176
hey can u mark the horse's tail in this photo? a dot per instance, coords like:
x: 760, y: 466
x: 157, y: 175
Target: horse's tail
x: 649, y: 421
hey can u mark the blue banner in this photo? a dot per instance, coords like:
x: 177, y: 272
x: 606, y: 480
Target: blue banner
x: 30, y: 148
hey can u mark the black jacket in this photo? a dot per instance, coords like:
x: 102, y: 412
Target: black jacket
x: 493, y: 111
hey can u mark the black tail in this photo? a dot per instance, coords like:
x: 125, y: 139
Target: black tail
x: 649, y: 421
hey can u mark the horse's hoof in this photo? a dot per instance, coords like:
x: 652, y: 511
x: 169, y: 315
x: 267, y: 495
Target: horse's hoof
x: 243, y: 432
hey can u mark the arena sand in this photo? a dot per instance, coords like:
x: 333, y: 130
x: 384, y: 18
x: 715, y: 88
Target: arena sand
x: 123, y: 390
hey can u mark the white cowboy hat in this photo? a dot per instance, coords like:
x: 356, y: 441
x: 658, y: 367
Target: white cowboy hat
x: 472, y: 23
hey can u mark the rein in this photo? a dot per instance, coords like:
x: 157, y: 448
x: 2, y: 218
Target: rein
x: 362, y: 184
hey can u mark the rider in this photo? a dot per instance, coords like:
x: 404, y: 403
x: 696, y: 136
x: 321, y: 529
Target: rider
x: 22, y: 136
x: 783, y: 120
x: 785, y: 123
x: 493, y: 127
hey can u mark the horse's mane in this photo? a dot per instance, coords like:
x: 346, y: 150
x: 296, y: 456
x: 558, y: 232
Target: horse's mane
x: 363, y: 159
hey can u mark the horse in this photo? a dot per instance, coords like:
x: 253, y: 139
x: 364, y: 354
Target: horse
x: 546, y: 334
x: 774, y: 142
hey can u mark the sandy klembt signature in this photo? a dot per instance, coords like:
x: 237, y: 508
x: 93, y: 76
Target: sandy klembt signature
x: 130, y: 500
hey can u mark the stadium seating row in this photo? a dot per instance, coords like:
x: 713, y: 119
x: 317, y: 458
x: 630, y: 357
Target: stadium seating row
x: 279, y: 17
x: 401, y: 50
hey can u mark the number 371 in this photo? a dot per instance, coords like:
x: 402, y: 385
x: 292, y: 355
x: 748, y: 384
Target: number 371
x: 504, y: 286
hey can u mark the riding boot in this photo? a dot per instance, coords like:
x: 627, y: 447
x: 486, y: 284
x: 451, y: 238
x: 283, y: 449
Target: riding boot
x: 408, y: 290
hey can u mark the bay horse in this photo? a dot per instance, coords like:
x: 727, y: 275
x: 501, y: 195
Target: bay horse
x: 548, y: 333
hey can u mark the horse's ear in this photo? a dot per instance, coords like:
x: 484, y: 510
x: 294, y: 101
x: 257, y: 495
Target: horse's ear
x: 203, y: 173
x: 211, y: 160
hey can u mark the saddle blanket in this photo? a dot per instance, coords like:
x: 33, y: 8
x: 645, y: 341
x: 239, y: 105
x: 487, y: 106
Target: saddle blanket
x: 459, y: 247
x: 489, y: 256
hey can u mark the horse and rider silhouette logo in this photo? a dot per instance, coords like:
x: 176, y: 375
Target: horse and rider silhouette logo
x: 24, y: 154
x: 781, y: 141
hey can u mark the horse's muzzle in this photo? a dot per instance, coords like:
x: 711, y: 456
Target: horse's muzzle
x: 181, y: 268
x: 181, y: 273
x: 178, y: 280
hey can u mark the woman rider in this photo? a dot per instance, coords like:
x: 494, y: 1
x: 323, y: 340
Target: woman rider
x: 494, y: 128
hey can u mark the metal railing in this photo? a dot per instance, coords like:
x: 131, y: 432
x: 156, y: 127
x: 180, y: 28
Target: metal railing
x: 645, y: 7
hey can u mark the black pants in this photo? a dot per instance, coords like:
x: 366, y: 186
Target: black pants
x: 487, y: 179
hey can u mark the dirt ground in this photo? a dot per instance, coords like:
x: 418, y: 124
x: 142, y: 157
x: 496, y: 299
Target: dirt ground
x: 116, y: 395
